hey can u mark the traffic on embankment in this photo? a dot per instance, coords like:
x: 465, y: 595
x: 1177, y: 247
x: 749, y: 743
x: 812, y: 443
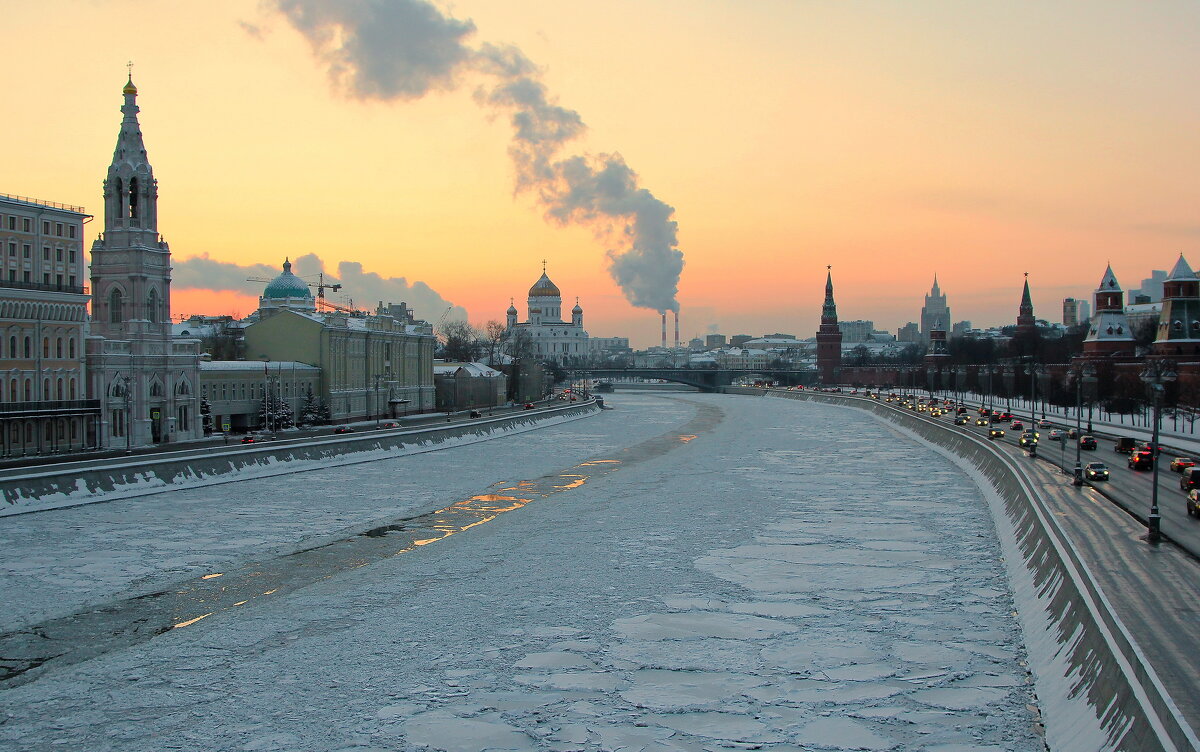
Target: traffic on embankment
x: 87, y: 481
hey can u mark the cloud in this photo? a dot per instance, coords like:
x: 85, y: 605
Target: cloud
x: 364, y: 288
x: 404, y: 49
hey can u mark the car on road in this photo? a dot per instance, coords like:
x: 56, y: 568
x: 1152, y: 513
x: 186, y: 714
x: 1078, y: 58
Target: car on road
x: 1087, y: 442
x: 1028, y: 438
x: 388, y: 424
x: 1095, y: 471
x: 1017, y: 426
x: 1056, y: 435
x: 1193, y: 503
x: 344, y: 429
x: 1190, y: 478
x: 1125, y: 444
x: 250, y: 439
x: 996, y: 433
x: 1141, y: 459
x: 476, y: 414
x: 1179, y: 464
x: 982, y: 422
x: 1072, y: 433
x: 962, y: 420
x: 528, y: 405
x: 1043, y: 423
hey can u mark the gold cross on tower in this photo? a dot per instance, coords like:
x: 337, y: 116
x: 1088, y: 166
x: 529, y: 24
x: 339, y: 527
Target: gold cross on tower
x: 129, y: 65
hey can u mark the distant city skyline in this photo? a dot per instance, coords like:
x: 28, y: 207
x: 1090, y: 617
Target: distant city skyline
x: 893, y: 141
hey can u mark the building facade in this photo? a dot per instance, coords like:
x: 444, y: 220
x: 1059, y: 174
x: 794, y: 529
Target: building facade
x: 43, y: 313
x: 235, y: 390
x: 371, y: 364
x: 548, y: 335
x: 1070, y: 315
x: 146, y: 379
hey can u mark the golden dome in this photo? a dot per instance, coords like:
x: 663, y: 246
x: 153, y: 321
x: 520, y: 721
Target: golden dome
x: 544, y: 288
x: 129, y: 87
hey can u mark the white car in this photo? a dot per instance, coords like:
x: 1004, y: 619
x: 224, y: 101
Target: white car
x: 1056, y: 435
x: 1043, y: 423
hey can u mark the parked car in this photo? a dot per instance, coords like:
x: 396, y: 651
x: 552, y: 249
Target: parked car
x: 1189, y: 479
x: 1193, y: 503
x: 1125, y: 444
x: 344, y: 429
x: 1142, y: 459
x: 1087, y: 442
x: 1179, y: 464
x: 1095, y: 471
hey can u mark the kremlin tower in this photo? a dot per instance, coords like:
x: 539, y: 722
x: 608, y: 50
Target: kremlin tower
x: 829, y: 338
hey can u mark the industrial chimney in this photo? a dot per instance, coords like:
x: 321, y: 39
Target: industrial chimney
x: 664, y: 330
x: 676, y: 330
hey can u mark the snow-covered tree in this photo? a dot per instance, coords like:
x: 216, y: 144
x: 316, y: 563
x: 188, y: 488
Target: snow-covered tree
x: 274, y: 412
x: 314, y: 410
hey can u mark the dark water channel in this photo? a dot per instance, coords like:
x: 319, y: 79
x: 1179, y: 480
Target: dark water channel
x: 31, y: 652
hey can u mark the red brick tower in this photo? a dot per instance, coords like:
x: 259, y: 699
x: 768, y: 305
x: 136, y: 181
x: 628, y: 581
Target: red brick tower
x: 829, y: 338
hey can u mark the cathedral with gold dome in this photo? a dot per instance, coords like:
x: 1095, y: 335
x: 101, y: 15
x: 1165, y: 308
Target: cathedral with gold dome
x: 550, y: 337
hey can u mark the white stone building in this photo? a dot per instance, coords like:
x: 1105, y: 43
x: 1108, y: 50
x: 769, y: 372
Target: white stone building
x: 146, y: 379
x: 550, y: 336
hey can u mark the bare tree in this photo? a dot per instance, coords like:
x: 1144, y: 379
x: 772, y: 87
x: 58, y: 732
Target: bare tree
x: 460, y: 341
x: 493, y: 338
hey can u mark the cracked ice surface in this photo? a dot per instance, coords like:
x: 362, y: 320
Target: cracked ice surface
x: 751, y: 588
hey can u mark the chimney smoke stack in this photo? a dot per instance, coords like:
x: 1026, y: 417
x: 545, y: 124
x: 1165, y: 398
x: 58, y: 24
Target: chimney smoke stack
x: 664, y: 330
x: 676, y: 330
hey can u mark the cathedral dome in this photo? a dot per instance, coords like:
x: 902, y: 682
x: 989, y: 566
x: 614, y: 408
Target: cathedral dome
x: 287, y: 285
x: 129, y: 87
x: 544, y: 288
x: 576, y: 309
x: 512, y: 309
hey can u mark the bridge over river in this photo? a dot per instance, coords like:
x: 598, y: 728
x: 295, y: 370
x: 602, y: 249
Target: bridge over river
x: 704, y: 379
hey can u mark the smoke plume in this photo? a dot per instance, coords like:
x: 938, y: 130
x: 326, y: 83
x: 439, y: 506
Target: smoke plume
x: 403, y: 49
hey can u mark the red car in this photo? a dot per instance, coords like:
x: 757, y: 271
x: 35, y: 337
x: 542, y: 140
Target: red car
x: 528, y: 405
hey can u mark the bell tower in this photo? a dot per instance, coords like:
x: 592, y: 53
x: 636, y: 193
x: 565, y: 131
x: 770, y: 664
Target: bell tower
x: 131, y: 263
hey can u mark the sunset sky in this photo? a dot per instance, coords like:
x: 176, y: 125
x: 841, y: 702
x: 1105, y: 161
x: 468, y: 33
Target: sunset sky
x: 891, y: 139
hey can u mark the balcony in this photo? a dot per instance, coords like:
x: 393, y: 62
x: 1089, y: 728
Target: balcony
x: 14, y: 284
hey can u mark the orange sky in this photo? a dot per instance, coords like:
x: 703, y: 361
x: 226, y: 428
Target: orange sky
x: 890, y: 139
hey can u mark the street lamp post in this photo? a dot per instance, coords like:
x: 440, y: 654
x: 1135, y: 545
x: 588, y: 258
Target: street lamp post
x: 1086, y: 371
x: 1156, y: 374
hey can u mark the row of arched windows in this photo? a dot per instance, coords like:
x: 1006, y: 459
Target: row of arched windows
x: 59, y: 347
x: 116, y: 306
x: 60, y: 388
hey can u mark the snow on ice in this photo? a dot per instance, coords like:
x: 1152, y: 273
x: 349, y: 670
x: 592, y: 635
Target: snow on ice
x: 749, y: 588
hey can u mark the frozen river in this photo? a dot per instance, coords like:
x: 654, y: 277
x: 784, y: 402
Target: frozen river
x: 684, y: 572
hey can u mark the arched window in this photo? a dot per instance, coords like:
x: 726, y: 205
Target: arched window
x: 71, y: 348
x: 133, y: 198
x: 58, y: 348
x: 182, y: 389
x: 13, y: 394
x: 156, y: 389
x: 114, y: 307
x: 28, y: 390
x: 45, y: 389
x: 119, y: 192
x: 45, y: 347
x: 74, y: 394
x: 152, y: 307
x: 59, y: 389
x: 12, y: 347
x: 28, y: 348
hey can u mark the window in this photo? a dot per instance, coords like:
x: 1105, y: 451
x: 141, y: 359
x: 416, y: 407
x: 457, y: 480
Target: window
x: 13, y: 394
x: 71, y: 282
x: 152, y: 307
x: 26, y: 250
x: 71, y: 347
x: 58, y: 254
x: 58, y: 229
x: 12, y: 223
x: 118, y: 423
x: 25, y: 276
x: 71, y: 254
x: 59, y: 390
x: 73, y: 390
x: 12, y: 249
x: 28, y: 390
x: 114, y: 307
x: 58, y: 348
x: 28, y: 348
x: 45, y: 253
x: 45, y: 347
x: 26, y: 225
x: 71, y: 233
x: 45, y: 278
x: 156, y: 389
x: 45, y: 389
x: 12, y: 349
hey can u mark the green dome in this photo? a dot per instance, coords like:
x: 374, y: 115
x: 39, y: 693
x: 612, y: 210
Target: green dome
x: 287, y: 285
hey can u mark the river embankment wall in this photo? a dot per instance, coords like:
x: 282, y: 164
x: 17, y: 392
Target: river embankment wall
x: 71, y: 484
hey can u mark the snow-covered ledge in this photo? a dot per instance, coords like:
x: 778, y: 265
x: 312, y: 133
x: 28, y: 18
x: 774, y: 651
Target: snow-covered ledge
x: 59, y: 486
